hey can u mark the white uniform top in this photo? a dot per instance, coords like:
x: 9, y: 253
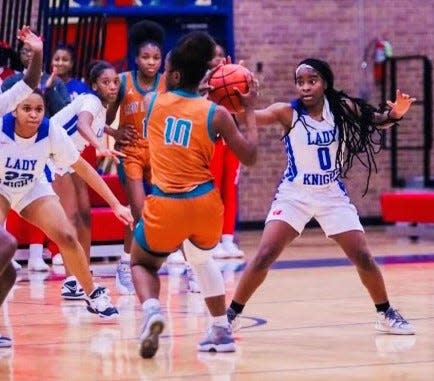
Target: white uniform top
x: 311, y: 150
x: 68, y: 118
x: 16, y: 94
x: 23, y: 161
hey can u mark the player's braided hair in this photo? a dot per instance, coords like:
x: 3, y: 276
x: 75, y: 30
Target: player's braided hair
x: 359, y: 137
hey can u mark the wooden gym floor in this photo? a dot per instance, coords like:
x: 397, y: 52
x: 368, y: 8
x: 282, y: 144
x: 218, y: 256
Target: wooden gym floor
x: 311, y: 320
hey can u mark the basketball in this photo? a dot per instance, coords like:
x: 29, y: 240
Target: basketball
x: 223, y: 80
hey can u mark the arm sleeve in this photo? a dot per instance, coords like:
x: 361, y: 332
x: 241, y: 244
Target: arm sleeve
x: 63, y: 150
x: 12, y: 97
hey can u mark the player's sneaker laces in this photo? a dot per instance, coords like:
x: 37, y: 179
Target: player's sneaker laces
x: 124, y: 280
x: 71, y: 290
x: 217, y: 339
x: 233, y: 319
x: 153, y: 325
x: 392, y: 322
x: 5, y: 342
x: 99, y: 303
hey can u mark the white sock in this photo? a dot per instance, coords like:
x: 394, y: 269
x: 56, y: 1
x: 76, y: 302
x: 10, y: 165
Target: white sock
x: 151, y: 302
x: 71, y: 277
x: 36, y: 251
x: 227, y: 238
x: 220, y: 321
x: 125, y: 257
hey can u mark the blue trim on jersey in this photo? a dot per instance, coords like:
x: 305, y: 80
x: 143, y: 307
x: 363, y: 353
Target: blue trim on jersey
x: 211, y: 112
x: 139, y: 236
x: 9, y: 125
x: 48, y: 174
x: 71, y: 126
x: 342, y: 187
x: 139, y: 88
x: 186, y: 94
x: 43, y: 129
x: 298, y: 105
x: 291, y: 172
x: 148, y: 114
x: 122, y: 87
x: 200, y: 190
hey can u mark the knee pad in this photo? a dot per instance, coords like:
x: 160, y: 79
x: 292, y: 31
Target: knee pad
x: 208, y: 273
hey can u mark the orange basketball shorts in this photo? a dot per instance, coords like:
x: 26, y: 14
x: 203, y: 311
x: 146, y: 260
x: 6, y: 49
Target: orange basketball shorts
x: 169, y: 219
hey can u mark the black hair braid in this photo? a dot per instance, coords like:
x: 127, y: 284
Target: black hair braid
x: 359, y: 137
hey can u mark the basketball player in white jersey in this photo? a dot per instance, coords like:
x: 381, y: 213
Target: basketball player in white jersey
x: 8, y: 101
x: 84, y: 121
x: 324, y: 130
x: 28, y: 141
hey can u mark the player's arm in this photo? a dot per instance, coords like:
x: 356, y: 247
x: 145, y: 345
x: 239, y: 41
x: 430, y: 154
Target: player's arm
x: 279, y: 112
x: 91, y: 177
x: 84, y: 123
x: 33, y: 74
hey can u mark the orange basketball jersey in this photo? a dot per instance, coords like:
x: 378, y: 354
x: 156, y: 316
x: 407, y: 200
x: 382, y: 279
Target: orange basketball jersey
x: 132, y: 95
x: 181, y: 140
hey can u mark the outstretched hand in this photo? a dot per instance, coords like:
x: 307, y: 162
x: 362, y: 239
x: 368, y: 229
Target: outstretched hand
x: 123, y: 213
x: 114, y: 154
x: 26, y: 36
x: 52, y: 78
x: 400, y: 106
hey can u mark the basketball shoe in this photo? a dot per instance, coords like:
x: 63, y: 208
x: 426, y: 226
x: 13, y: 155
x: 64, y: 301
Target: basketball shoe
x: 153, y: 325
x: 234, y: 319
x: 5, y: 342
x: 71, y: 289
x: 392, y: 322
x: 217, y: 339
x: 124, y: 280
x: 98, y: 303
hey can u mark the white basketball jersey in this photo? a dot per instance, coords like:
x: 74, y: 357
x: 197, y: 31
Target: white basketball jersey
x: 23, y: 161
x: 68, y: 118
x: 311, y: 149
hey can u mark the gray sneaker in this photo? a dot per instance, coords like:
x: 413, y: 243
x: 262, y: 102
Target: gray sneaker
x: 153, y: 325
x: 233, y: 319
x: 5, y: 342
x: 392, y: 322
x: 217, y: 339
x: 124, y: 280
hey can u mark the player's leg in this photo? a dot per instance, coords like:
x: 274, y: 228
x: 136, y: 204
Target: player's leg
x: 47, y: 213
x: 8, y: 246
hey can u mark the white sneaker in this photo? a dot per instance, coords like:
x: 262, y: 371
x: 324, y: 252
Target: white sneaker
x: 176, y: 258
x: 57, y: 260
x: 219, y: 252
x: 124, y: 279
x: 99, y: 303
x: 153, y: 325
x: 392, y: 322
x: 37, y: 264
x: 232, y: 249
x: 16, y: 265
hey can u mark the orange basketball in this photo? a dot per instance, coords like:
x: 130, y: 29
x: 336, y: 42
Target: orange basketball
x: 224, y: 79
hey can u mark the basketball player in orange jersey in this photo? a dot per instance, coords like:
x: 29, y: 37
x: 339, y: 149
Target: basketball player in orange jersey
x: 184, y: 204
x: 146, y: 38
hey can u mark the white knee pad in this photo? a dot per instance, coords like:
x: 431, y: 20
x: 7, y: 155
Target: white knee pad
x: 210, y: 278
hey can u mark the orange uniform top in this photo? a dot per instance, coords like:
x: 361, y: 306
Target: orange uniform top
x: 181, y: 140
x: 132, y: 95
